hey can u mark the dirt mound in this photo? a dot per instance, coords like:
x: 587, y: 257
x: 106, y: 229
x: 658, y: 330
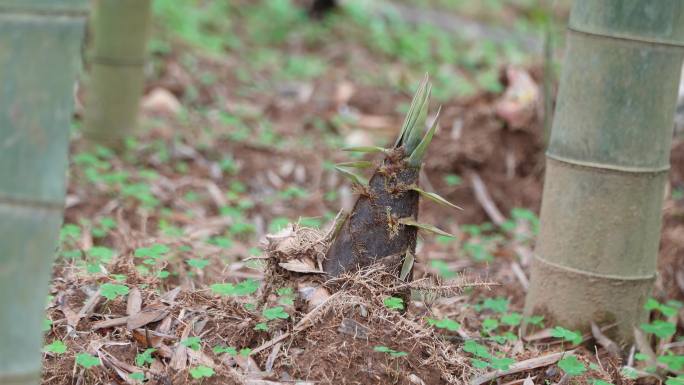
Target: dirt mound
x: 510, y: 162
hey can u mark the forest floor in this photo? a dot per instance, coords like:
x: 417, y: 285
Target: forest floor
x: 165, y: 269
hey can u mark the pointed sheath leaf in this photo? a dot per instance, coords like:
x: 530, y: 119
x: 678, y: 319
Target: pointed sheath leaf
x: 415, y: 133
x: 413, y: 110
x: 357, y: 164
x: 368, y: 149
x: 353, y: 177
x: 417, y: 155
x: 408, y: 221
x: 434, y: 197
x: 406, y: 267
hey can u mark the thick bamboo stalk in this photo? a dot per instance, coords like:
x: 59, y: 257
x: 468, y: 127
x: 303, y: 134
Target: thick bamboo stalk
x: 116, y: 77
x: 608, y: 159
x: 39, y: 57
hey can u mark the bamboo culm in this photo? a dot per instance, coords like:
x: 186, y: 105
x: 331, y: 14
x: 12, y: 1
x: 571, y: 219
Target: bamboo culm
x: 35, y: 114
x: 116, y: 60
x: 607, y: 165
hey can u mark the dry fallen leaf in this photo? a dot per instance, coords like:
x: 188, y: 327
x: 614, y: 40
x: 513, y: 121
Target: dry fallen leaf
x: 134, y: 302
x: 148, y: 315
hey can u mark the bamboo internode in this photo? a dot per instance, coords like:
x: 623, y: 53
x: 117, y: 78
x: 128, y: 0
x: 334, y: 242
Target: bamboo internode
x: 35, y: 114
x: 608, y: 159
x: 116, y: 75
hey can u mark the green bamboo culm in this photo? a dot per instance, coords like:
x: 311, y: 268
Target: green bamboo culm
x: 119, y: 30
x: 607, y: 164
x: 39, y: 59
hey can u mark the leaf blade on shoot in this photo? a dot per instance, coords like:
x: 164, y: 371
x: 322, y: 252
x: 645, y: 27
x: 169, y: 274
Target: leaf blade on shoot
x: 407, y: 266
x: 416, y: 156
x: 357, y: 164
x: 416, y: 103
x: 408, y: 221
x: 353, y: 177
x: 434, y: 197
x: 366, y: 149
x: 415, y: 131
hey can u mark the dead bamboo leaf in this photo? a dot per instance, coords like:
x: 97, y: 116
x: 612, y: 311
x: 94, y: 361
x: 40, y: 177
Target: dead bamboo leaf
x: 148, y: 315
x: 351, y: 327
x: 608, y: 344
x: 134, y: 303
x: 90, y: 304
x: 109, y: 323
x: 521, y: 366
x: 300, y: 266
x: 644, y: 347
x: 179, y: 360
x: 71, y: 316
x: 409, y: 221
x: 248, y: 364
x: 540, y: 335
x: 170, y: 296
x: 272, y: 357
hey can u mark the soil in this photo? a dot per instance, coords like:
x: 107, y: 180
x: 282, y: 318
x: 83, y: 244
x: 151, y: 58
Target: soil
x: 472, y: 142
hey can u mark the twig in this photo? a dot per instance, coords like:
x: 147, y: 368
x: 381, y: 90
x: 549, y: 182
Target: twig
x: 485, y: 200
x: 272, y: 357
x: 520, y: 274
x: 90, y: 304
x: 604, y: 341
x: 521, y: 366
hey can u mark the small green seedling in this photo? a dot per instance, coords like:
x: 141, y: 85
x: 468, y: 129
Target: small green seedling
x: 674, y: 362
x: 391, y: 352
x: 497, y: 305
x: 444, y: 324
x: 192, y: 343
x: 286, y: 296
x: 198, y: 263
x: 201, y: 372
x: 476, y: 349
x: 536, y: 320
x: 568, y: 335
x: 219, y: 349
x: 145, y: 357
x: 662, y: 329
x: 244, y: 288
x: 47, y: 324
x: 512, y: 319
x: 222, y: 242
x: 137, y: 376
x: 57, y: 347
x: 452, y: 180
x: 87, y: 361
x: 101, y: 253
x: 261, y: 326
x: 489, y: 325
x: 113, y: 290
x: 572, y: 366
x: 394, y: 303
x: 503, y: 363
x: 276, y: 312
x: 668, y: 309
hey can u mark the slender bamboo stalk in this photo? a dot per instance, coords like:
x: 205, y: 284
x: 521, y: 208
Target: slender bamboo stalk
x: 608, y: 160
x: 116, y: 79
x: 39, y: 58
